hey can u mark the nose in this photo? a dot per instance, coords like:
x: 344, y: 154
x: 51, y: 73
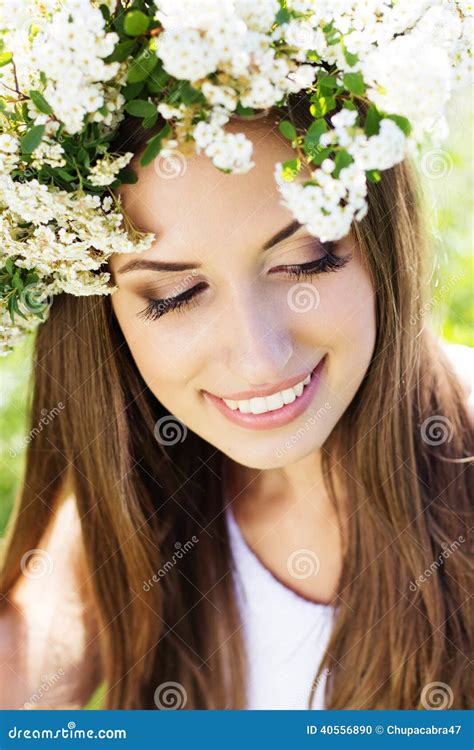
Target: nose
x: 258, y: 339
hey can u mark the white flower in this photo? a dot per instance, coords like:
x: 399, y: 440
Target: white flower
x: 168, y: 112
x: 396, y: 89
x: 106, y: 169
x: 380, y: 151
x: 410, y: 55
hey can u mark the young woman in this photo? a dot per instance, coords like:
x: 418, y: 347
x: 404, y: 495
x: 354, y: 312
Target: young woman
x: 197, y: 534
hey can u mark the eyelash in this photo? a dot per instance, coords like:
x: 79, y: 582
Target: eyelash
x: 186, y: 300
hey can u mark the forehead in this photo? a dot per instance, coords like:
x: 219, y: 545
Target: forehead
x: 202, y: 208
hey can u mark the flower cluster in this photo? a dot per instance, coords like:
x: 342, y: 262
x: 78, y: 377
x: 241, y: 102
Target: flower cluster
x: 378, y: 75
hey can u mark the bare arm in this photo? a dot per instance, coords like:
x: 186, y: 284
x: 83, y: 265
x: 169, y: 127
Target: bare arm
x: 49, y: 655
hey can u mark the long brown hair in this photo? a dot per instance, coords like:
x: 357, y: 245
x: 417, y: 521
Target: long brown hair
x: 140, y: 500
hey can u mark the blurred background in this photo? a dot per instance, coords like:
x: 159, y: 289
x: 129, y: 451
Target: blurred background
x: 447, y: 178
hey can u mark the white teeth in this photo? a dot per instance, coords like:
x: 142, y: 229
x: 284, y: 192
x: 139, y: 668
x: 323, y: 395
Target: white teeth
x: 275, y: 401
x: 299, y: 389
x: 258, y: 405
x: 263, y: 404
x: 288, y: 396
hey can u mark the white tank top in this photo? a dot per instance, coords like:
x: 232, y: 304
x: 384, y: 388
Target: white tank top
x: 285, y: 635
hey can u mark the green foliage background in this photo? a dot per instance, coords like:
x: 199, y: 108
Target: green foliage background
x: 447, y: 175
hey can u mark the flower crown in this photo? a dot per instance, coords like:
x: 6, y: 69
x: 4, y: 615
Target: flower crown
x: 378, y: 74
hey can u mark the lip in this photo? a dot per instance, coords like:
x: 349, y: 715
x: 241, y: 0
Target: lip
x: 281, y: 386
x: 278, y: 417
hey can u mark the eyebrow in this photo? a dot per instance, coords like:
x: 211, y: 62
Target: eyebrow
x: 157, y: 265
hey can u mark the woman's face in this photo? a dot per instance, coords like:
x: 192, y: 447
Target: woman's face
x: 249, y: 328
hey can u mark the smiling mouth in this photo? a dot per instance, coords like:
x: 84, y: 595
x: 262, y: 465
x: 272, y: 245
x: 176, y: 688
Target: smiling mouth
x: 264, y: 404
x: 275, y: 410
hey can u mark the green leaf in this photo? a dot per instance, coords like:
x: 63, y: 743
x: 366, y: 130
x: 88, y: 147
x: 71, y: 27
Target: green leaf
x: 150, y: 122
x: 343, y: 159
x: 372, y: 121
x: 105, y: 11
x: 348, y: 104
x: 290, y: 169
x: 157, y: 80
x: 319, y: 154
x: 136, y: 23
x: 142, y: 66
x: 132, y: 90
x: 31, y: 278
x: 32, y: 138
x: 190, y: 95
x: 351, y: 58
x: 244, y: 111
x: 328, y: 83
x: 154, y: 145
x: 40, y: 102
x: 283, y: 16
x: 402, y: 122
x: 287, y: 129
x: 321, y: 105
x: 373, y: 175
x: 65, y: 175
x: 5, y: 58
x: 314, y: 133
x: 127, y: 176
x: 121, y: 51
x: 17, y: 282
x: 12, y: 307
x: 140, y: 108
x: 354, y: 83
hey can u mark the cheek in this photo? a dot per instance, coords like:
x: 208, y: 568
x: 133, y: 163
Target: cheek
x: 346, y: 312
x: 165, y: 359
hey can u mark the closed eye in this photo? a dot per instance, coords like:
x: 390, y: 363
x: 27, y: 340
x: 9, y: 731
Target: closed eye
x: 158, y: 307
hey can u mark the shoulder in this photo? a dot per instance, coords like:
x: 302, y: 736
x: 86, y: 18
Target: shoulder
x: 461, y: 358
x: 48, y: 632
